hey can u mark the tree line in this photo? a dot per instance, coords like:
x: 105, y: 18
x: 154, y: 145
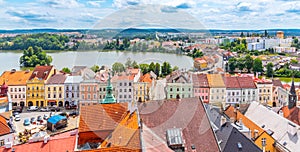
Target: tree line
x: 44, y: 40
x: 160, y: 70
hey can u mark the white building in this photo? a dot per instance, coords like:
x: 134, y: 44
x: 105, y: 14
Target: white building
x: 265, y: 91
x: 6, y: 134
x: 72, y: 90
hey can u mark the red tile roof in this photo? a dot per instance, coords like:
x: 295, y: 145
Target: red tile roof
x: 57, y: 79
x: 277, y: 83
x: 292, y: 114
x: 200, y: 80
x: 246, y: 82
x: 56, y: 145
x: 122, y: 76
x: 146, y: 78
x: 231, y: 82
x: 101, y: 116
x: 4, y: 128
x: 187, y: 114
x: 41, y: 72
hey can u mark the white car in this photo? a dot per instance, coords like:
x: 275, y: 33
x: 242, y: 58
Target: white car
x: 17, y: 118
x: 33, y: 108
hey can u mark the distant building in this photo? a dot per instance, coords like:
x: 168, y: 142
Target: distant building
x: 201, y: 87
x: 72, y: 90
x: 217, y: 89
x: 280, y: 34
x: 36, y: 85
x: 16, y: 82
x: 6, y: 133
x: 89, y: 91
x: 265, y: 91
x: 179, y: 85
x: 54, y: 90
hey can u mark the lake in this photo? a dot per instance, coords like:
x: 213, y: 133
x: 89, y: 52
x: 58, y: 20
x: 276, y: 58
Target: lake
x: 10, y: 60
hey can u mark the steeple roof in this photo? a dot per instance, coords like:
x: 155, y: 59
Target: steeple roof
x: 109, y: 97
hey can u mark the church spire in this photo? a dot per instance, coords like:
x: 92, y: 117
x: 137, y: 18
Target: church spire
x: 292, y: 95
x: 109, y: 97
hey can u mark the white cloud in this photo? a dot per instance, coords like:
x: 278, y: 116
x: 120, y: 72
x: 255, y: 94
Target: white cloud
x: 62, y: 3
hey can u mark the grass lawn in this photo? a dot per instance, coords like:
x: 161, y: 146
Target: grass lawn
x: 288, y: 79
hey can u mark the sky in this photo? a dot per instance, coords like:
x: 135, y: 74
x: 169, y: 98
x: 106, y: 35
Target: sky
x: 209, y: 14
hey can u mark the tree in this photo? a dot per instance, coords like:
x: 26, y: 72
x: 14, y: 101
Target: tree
x: 257, y: 65
x: 144, y: 68
x: 135, y: 65
x: 152, y: 67
x: 241, y: 64
x: 266, y: 33
x: 242, y: 35
x: 157, y: 69
x: 95, y: 68
x: 270, y: 71
x: 118, y: 67
x: 174, y: 68
x: 248, y: 62
x: 128, y: 63
x: 34, y: 56
x: 66, y: 70
x: 293, y: 61
x: 232, y: 64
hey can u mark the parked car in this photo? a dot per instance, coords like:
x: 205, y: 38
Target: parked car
x: 54, y: 108
x: 32, y: 108
x: 15, y: 113
x: 17, y: 109
x: 17, y: 118
x: 46, y: 117
x: 74, y: 113
x: 71, y: 107
x: 33, y: 120
x: 44, y: 109
x: 26, y: 122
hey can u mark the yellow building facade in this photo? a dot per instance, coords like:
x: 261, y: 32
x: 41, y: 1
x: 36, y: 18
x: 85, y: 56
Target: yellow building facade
x: 54, y: 94
x: 266, y: 142
x: 35, y: 93
x: 35, y: 85
x: 141, y: 91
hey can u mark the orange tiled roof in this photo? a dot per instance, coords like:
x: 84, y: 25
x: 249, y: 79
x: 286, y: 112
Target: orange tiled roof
x: 112, y: 149
x: 122, y: 76
x: 146, y: 78
x: 101, y: 116
x: 15, y: 78
x: 56, y: 145
x: 215, y: 80
x: 291, y: 114
x: 230, y: 112
x: 126, y: 133
x: 4, y: 128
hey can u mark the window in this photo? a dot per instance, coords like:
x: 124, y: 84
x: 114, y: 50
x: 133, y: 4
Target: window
x: 171, y: 89
x: 120, y: 90
x: 217, y: 90
x: 82, y: 96
x: 183, y: 96
x: 228, y: 93
x: 48, y: 88
x: 95, y: 88
x: 23, y: 89
x: 16, y: 89
x: 77, y: 95
x: 120, y: 96
x: 67, y: 95
x: 125, y: 84
x: 72, y: 95
x: 264, y: 90
x: 37, y: 88
x: 54, y: 89
x: 263, y: 141
x: 19, y: 89
x: 19, y: 96
x: 89, y: 96
x: 171, y: 96
x: 120, y: 84
x: 237, y: 93
x: 54, y: 95
x: 129, y: 96
x: 32, y: 87
x: 94, y: 96
x: 59, y: 89
x: 11, y: 96
x: 182, y: 89
x: 23, y: 95
x: 48, y: 95
x: 104, y: 89
x: 59, y: 95
x: 125, y: 90
x: 253, y: 92
x: 100, y: 89
x: 206, y: 97
x: 16, y: 96
x: 89, y: 88
x: 125, y: 96
x: 28, y: 88
x: 259, y: 90
x: 37, y: 94
x: 32, y: 95
x: 129, y: 90
x: 233, y: 93
x: 189, y: 89
x: 129, y: 83
x: 1, y: 142
x: 177, y: 89
x: 11, y: 90
x: 268, y: 90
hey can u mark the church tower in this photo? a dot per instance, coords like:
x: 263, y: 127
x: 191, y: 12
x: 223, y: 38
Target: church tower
x: 109, y: 97
x: 292, y: 96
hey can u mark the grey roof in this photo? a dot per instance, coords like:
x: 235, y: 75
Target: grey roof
x: 213, y: 114
x: 281, y: 126
x: 73, y: 79
x: 232, y: 140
